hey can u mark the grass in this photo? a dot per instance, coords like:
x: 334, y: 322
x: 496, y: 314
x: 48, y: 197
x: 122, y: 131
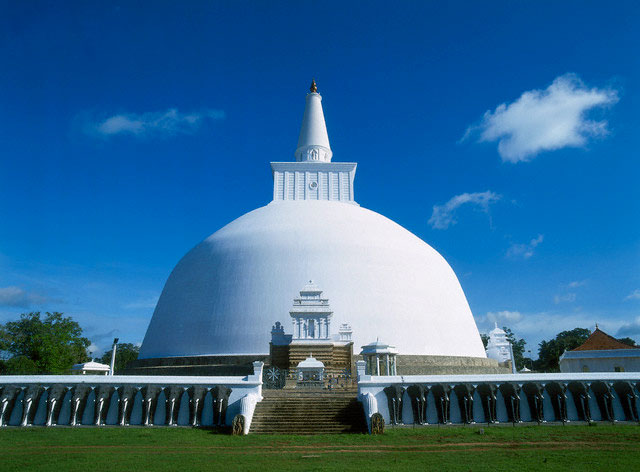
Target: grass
x: 603, y: 447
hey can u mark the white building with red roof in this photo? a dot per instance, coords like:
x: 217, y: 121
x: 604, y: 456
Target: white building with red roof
x: 601, y: 353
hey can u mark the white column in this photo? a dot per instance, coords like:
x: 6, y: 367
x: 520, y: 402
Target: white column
x: 377, y: 364
x: 387, y: 357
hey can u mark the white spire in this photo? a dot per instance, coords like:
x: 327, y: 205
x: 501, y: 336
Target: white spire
x: 313, y: 143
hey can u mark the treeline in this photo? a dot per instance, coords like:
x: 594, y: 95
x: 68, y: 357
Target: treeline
x: 50, y: 344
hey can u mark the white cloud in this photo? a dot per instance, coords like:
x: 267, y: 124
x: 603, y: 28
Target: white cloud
x: 635, y: 295
x: 577, y: 283
x: 504, y: 318
x: 94, y: 349
x: 545, y: 120
x: 525, y: 250
x: 18, y: 297
x: 443, y: 216
x: 169, y: 122
x: 142, y: 304
x: 566, y: 297
x: 629, y: 329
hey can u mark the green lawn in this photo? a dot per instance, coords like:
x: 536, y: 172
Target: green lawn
x: 601, y: 447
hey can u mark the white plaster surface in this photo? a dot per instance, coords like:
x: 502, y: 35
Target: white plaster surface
x: 224, y: 296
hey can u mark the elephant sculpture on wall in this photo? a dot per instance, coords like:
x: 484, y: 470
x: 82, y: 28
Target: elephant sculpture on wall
x: 488, y: 399
x: 220, y: 395
x: 127, y: 395
x: 441, y: 397
x: 511, y: 396
x: 628, y: 399
x: 79, y: 397
x: 196, y: 404
x: 535, y: 398
x: 54, y: 403
x: 558, y: 398
x: 464, y: 393
x: 7, y: 403
x: 150, y: 394
x: 394, y: 395
x: 103, y: 401
x: 604, y: 399
x: 174, y: 398
x: 30, y: 404
x: 418, y: 396
x: 580, y: 393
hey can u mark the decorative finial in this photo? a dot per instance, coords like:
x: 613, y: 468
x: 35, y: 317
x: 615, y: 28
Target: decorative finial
x: 596, y: 325
x: 314, y: 86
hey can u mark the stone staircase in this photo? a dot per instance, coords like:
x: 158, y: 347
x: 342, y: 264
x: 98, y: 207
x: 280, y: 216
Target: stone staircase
x: 308, y: 412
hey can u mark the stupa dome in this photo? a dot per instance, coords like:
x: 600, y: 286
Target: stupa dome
x: 226, y: 293
x: 224, y: 296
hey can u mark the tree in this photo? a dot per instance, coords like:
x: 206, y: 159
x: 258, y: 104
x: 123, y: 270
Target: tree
x: 125, y: 353
x: 628, y: 341
x: 47, y: 346
x: 485, y: 339
x: 19, y: 365
x: 518, y: 347
x: 549, y: 352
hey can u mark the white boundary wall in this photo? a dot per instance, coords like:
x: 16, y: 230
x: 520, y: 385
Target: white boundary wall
x: 245, y: 393
x: 371, y: 394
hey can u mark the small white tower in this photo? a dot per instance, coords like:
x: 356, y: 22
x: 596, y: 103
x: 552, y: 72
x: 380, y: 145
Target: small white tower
x: 498, y: 347
x: 345, y: 332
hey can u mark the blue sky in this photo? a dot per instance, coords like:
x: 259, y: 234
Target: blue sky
x: 504, y: 134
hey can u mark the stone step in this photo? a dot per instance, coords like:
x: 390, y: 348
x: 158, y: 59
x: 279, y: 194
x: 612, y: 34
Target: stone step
x: 307, y: 402
x: 287, y: 412
x: 311, y: 406
x: 262, y: 421
x: 304, y: 431
x: 298, y: 432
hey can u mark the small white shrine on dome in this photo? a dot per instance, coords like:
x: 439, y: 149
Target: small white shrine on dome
x: 345, y: 332
x: 310, y: 369
x: 311, y: 315
x: 278, y: 336
x: 90, y: 367
x: 498, y: 347
x: 380, y: 358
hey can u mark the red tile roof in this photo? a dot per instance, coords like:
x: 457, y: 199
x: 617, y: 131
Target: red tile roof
x: 599, y: 340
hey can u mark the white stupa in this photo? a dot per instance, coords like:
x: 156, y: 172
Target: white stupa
x: 223, y: 297
x: 498, y: 347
